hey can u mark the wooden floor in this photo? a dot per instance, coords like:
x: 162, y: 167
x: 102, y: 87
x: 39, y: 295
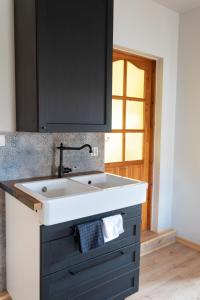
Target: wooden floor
x: 171, y: 273
x: 4, y: 296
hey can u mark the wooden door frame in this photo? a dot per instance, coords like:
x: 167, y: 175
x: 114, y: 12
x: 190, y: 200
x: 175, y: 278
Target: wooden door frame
x: 148, y: 65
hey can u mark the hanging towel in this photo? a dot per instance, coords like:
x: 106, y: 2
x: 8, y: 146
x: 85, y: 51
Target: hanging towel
x: 90, y: 235
x: 112, y: 227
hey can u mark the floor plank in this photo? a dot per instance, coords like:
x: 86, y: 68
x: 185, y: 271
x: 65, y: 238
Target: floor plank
x: 171, y: 273
x: 4, y: 296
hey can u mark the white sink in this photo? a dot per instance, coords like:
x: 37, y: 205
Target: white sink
x: 104, y: 181
x: 54, y: 188
x: 82, y: 196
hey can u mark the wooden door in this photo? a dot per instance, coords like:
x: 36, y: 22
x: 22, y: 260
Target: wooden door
x: 129, y: 148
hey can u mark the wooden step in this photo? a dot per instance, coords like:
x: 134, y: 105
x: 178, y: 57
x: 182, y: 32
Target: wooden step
x: 152, y: 241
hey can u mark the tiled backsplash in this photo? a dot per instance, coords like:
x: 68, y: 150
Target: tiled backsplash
x: 33, y: 154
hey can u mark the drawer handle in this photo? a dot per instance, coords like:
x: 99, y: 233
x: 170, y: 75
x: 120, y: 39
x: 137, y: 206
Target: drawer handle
x: 134, y: 230
x: 77, y: 271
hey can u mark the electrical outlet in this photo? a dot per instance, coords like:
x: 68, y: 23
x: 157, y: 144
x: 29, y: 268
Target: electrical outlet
x: 95, y: 152
x: 2, y: 140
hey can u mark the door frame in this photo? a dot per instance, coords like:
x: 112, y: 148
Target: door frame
x: 139, y: 62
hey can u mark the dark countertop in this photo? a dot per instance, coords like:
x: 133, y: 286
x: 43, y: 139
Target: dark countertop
x: 34, y: 204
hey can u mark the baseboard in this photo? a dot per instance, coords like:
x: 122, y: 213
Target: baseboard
x: 158, y: 241
x: 5, y: 296
x: 188, y: 243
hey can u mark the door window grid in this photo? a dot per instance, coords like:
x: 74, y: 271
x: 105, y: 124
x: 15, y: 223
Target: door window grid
x: 136, y: 150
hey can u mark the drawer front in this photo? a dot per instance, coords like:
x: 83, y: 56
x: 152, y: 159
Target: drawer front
x: 116, y: 288
x: 59, y: 254
x: 49, y: 233
x: 110, y: 274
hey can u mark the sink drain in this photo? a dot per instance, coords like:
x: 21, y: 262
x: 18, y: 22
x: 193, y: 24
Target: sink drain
x: 44, y: 189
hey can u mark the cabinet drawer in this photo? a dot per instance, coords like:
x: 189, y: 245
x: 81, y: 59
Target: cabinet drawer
x: 59, y: 254
x: 49, y: 233
x: 100, y: 278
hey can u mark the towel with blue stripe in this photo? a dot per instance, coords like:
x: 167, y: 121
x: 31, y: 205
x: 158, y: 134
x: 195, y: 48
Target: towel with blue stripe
x: 90, y: 235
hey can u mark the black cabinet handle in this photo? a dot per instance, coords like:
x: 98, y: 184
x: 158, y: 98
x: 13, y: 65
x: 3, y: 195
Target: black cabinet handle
x: 96, y: 263
x: 135, y: 230
x: 134, y: 256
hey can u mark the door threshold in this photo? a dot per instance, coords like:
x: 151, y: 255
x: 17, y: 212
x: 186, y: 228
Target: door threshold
x: 152, y: 241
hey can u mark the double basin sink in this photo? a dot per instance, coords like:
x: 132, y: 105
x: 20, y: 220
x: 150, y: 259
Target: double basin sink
x: 77, y: 197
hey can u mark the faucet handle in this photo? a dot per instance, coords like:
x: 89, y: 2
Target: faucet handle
x: 67, y: 170
x: 61, y: 147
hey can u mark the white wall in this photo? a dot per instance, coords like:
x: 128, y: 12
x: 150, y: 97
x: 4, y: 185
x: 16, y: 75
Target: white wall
x: 147, y: 27
x: 140, y: 25
x: 186, y: 209
x: 7, y: 86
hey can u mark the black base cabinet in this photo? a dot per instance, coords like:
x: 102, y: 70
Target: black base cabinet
x: 109, y: 272
x: 63, y: 65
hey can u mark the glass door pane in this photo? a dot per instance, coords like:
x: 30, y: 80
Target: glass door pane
x: 117, y: 114
x: 113, y: 147
x: 134, y: 146
x: 135, y: 81
x: 134, y: 115
x: 118, y: 78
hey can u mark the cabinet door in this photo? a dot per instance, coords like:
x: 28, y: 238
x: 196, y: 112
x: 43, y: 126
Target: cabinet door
x: 74, y: 64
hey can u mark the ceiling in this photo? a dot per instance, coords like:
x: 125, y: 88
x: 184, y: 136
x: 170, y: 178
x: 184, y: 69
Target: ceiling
x: 180, y: 6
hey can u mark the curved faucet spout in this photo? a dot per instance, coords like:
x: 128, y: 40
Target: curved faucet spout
x: 61, y: 169
x: 62, y: 147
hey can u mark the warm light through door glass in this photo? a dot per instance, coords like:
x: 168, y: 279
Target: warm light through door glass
x: 135, y: 81
x: 113, y: 147
x: 134, y: 115
x: 128, y: 114
x: 134, y: 146
x: 118, y: 74
x: 117, y: 114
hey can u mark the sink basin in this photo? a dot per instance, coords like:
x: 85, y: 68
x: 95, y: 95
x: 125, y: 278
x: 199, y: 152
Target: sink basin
x: 55, y: 188
x: 104, y: 181
x: 82, y: 196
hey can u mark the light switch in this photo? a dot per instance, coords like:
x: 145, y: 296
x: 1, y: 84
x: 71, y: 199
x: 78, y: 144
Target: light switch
x: 2, y: 140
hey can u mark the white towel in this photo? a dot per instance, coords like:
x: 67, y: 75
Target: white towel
x: 112, y: 227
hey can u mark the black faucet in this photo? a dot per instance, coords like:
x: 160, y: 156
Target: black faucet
x: 62, y: 170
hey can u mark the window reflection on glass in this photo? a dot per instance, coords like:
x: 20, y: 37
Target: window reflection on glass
x: 118, y: 75
x: 135, y: 81
x: 134, y: 115
x: 117, y: 114
x: 113, y: 147
x: 134, y: 146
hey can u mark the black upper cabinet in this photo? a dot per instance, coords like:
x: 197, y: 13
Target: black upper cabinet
x: 63, y: 65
